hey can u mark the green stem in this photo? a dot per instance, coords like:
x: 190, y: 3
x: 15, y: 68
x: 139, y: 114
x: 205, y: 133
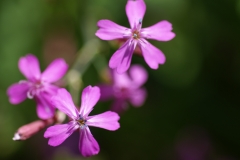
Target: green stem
x: 85, y: 57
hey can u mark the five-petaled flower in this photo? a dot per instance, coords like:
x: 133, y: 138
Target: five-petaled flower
x: 80, y: 120
x: 38, y: 86
x: 126, y: 87
x: 136, y: 36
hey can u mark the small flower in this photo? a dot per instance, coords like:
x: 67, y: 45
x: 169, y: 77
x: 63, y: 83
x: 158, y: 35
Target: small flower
x: 126, y: 87
x: 136, y: 36
x: 37, y: 86
x: 80, y: 120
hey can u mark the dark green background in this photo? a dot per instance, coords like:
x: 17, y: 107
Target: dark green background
x: 193, y: 99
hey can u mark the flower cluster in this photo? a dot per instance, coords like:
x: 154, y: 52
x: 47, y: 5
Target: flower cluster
x: 126, y: 83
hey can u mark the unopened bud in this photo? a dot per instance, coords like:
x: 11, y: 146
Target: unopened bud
x: 32, y: 128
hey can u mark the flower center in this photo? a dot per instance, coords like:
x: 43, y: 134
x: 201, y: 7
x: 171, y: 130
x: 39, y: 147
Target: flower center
x: 136, y: 31
x: 122, y: 92
x: 38, y: 85
x: 81, y: 122
x: 35, y: 89
x: 136, y: 34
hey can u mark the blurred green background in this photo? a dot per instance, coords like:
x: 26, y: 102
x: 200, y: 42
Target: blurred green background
x: 193, y: 107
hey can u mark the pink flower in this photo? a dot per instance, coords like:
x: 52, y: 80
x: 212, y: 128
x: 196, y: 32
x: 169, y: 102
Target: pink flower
x: 37, y: 86
x: 126, y: 87
x: 80, y: 120
x: 136, y: 36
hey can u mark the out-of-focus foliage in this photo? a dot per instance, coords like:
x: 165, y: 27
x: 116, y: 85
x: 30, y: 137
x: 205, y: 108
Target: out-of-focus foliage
x: 197, y: 89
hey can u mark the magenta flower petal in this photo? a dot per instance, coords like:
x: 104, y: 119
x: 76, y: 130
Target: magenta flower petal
x: 29, y: 66
x: 56, y: 130
x: 135, y: 10
x: 121, y: 80
x: 121, y: 59
x: 138, y: 75
x: 88, y: 146
x: 63, y: 101
x: 90, y: 97
x: 55, y: 71
x: 45, y: 109
x: 52, y: 90
x: 106, y: 92
x: 17, y: 92
x: 58, y: 134
x: 138, y: 98
x: 107, y: 120
x: 152, y: 55
x: 161, y: 31
x: 110, y: 30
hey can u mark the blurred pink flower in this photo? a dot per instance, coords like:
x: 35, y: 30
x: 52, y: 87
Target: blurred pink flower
x: 38, y: 85
x: 126, y: 87
x: 121, y: 59
x: 88, y: 146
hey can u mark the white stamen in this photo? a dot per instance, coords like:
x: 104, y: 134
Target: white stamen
x: 30, y: 95
x: 16, y: 137
x: 140, y: 21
